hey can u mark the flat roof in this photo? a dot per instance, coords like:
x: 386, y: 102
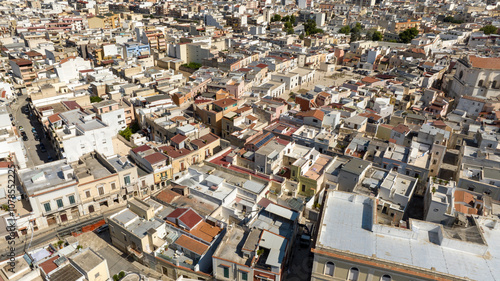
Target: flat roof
x: 87, y: 259
x: 348, y: 225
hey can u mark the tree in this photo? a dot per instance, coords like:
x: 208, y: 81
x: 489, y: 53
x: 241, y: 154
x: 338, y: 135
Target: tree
x: 290, y: 31
x: 276, y: 17
x: 408, y: 35
x: 310, y: 27
x: 95, y: 99
x: 288, y: 25
x: 377, y: 36
x: 489, y: 29
x: 345, y: 29
x: 292, y: 19
x: 301, y: 36
x: 355, y: 36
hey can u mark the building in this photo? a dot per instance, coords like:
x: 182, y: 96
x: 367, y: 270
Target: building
x: 23, y: 70
x: 476, y: 76
x: 351, y: 245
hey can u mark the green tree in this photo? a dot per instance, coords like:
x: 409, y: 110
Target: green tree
x: 288, y: 25
x: 377, y: 36
x: 408, y: 35
x: 449, y: 19
x: 290, y: 31
x: 95, y: 99
x: 276, y: 17
x: 285, y: 19
x: 345, y: 29
x: 489, y: 29
x: 292, y: 19
x: 301, y: 36
x: 310, y: 27
x: 126, y: 133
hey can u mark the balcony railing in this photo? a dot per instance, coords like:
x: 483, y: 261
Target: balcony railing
x: 134, y: 252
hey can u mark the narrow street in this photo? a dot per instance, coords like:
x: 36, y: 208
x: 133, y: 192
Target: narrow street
x: 32, y: 146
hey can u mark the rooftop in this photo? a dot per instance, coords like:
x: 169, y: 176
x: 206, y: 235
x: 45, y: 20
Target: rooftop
x: 348, y: 225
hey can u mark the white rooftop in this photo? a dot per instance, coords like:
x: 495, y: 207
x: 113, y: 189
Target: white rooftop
x: 348, y: 225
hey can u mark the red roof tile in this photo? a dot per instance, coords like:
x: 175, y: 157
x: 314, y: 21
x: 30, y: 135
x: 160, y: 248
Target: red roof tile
x: 141, y: 148
x: 483, y: 62
x: 191, y: 244
x: 178, y: 138
x: 155, y: 158
x: 49, y: 265
x: 54, y: 118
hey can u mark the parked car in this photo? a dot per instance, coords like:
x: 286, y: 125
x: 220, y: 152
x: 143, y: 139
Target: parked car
x: 33, y: 130
x: 49, y: 158
x: 42, y: 148
x: 37, y: 138
x: 102, y: 228
x: 21, y: 128
x: 25, y: 138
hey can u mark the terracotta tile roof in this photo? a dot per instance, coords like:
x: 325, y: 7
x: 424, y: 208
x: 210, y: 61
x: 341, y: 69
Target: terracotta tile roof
x: 187, y: 216
x: 204, y: 140
x: 252, y: 118
x: 167, y: 195
x: 141, y: 148
x: 464, y: 209
x: 205, y: 231
x: 261, y: 65
x: 318, y: 114
x: 465, y: 197
x: 173, y: 152
x: 70, y: 104
x: 54, y: 118
x: 178, y: 138
x: 402, y: 129
x: 22, y: 62
x: 225, y: 102
x: 177, y: 118
x: 191, y: 244
x: 483, y: 62
x: 369, y: 80
x: 49, y: 265
x: 155, y: 158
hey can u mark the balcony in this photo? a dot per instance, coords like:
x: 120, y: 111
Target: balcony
x: 134, y: 252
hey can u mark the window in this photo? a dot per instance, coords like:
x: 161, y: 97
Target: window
x: 244, y: 276
x: 480, y: 84
x: 353, y: 274
x: 100, y: 189
x: 113, y: 185
x: 97, y: 275
x: 119, y: 116
x: 386, y: 277
x: 47, y: 207
x: 303, y: 188
x: 71, y: 199
x: 226, y: 272
x: 126, y: 179
x: 329, y: 268
x: 87, y: 193
x: 59, y: 203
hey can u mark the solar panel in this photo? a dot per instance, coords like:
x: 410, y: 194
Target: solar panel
x: 264, y: 140
x: 60, y: 261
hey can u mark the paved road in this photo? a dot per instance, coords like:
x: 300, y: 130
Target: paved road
x: 22, y: 118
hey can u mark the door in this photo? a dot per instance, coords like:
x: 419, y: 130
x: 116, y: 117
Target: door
x: 91, y: 209
x: 64, y: 218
